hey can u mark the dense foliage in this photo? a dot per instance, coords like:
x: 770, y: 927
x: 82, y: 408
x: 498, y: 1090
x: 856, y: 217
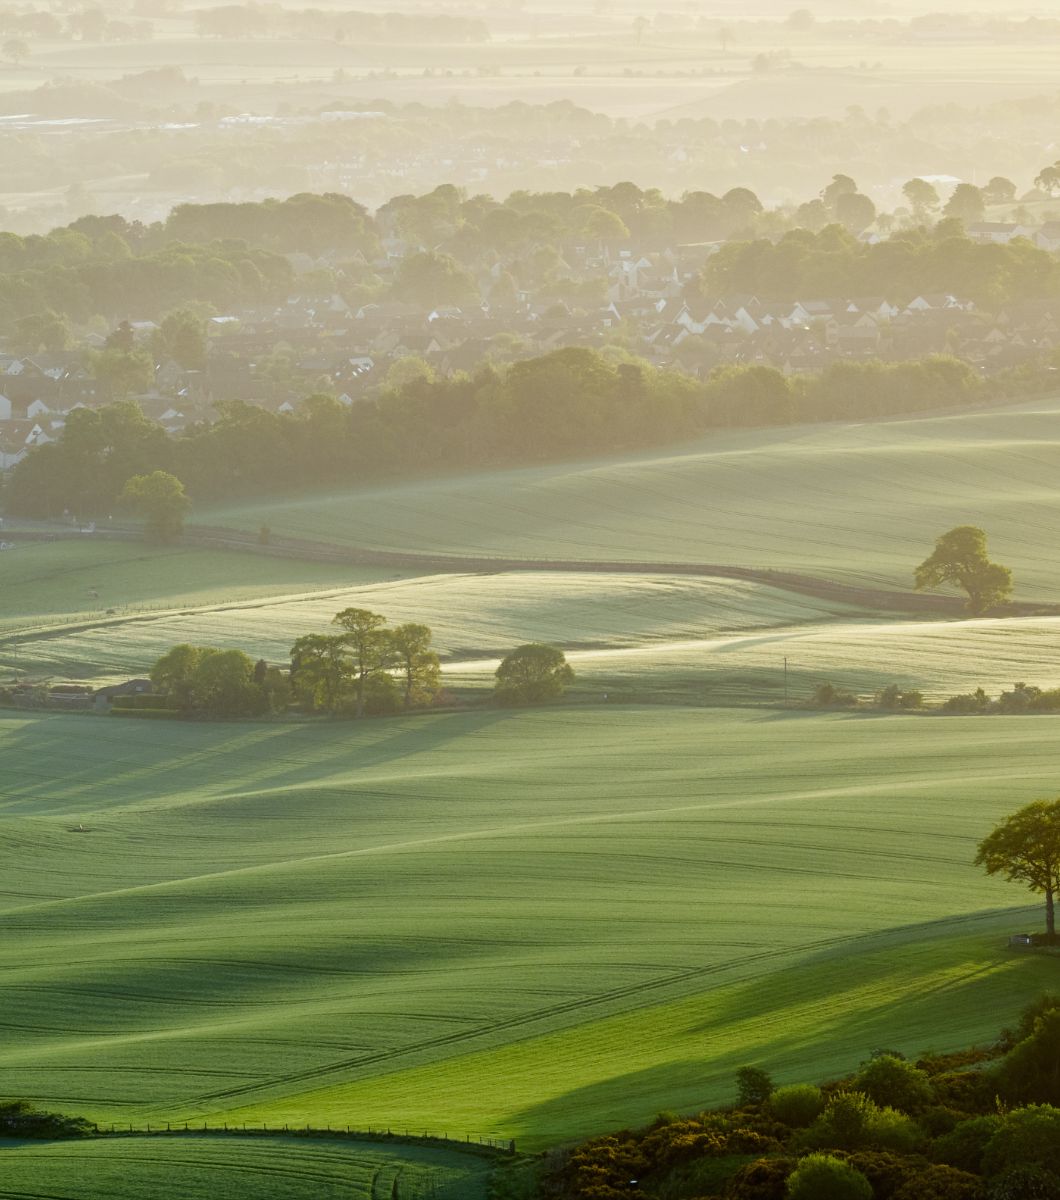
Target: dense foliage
x: 570, y: 402
x: 896, y: 1130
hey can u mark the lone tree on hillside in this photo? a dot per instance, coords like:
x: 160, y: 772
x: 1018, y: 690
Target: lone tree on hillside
x: 1025, y: 848
x: 532, y: 674
x: 960, y: 557
x: 159, y: 498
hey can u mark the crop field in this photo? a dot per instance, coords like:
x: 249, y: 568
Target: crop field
x: 691, y: 639
x: 203, y: 1168
x: 471, y: 615
x: 45, y: 584
x: 523, y: 924
x: 859, y: 503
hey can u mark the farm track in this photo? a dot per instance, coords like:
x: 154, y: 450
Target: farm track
x: 303, y: 549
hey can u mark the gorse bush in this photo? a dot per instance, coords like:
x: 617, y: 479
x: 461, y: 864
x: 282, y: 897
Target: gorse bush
x: 822, y: 1177
x: 797, y: 1105
x: 852, y: 1121
x: 890, y: 1081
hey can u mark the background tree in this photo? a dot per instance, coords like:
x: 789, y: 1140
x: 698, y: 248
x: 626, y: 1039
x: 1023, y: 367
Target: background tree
x: 854, y: 211
x: 753, y: 1085
x: 223, y: 684
x: 418, y: 664
x: 922, y: 197
x: 1025, y: 848
x: 122, y: 372
x: 960, y: 558
x: 16, y: 50
x: 532, y: 673
x: 161, y: 500
x: 368, y: 646
x: 174, y: 674
x: 966, y: 203
x: 999, y: 191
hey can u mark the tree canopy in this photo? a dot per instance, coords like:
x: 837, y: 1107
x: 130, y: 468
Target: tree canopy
x: 161, y: 500
x: 533, y: 674
x: 960, y: 558
x: 1025, y: 848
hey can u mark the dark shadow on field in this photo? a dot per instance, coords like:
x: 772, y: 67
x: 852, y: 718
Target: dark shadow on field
x: 968, y: 1001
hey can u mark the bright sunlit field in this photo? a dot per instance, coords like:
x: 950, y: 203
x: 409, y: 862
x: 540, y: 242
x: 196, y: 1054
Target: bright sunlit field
x: 531, y: 924
x: 859, y: 503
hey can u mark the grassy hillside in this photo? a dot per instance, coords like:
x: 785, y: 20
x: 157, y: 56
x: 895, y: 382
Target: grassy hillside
x: 690, y: 639
x: 203, y: 1168
x: 257, y: 915
x: 53, y: 583
x: 857, y: 503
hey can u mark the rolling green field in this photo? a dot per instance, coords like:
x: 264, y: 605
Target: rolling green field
x: 858, y: 503
x: 203, y: 1168
x: 691, y: 639
x: 532, y: 925
x: 46, y: 584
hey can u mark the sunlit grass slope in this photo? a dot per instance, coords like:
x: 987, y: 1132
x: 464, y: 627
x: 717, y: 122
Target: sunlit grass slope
x: 853, y: 502
x: 204, y: 1168
x: 52, y: 583
x: 630, y: 637
x: 254, y: 914
x: 471, y: 615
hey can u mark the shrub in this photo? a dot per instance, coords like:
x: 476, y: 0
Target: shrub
x: 941, y: 1183
x: 1024, y: 1183
x: 764, y: 1179
x: 827, y: 695
x: 753, y: 1085
x: 886, y: 1172
x: 966, y: 1091
x: 1030, y: 1072
x: 22, y: 1120
x: 970, y: 702
x: 1029, y: 1017
x: 852, y: 1122
x: 822, y: 1177
x: 892, y: 1081
x: 1027, y: 1137
x: 964, y: 1146
x: 797, y: 1105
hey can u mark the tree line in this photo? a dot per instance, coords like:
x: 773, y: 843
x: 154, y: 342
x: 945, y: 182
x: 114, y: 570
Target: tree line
x: 567, y: 403
x: 365, y: 668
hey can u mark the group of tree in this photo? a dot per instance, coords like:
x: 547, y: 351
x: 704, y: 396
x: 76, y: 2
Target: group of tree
x: 340, y: 25
x: 571, y: 402
x: 213, y: 682
x: 364, y: 668
x: 981, y: 1124
x: 918, y: 261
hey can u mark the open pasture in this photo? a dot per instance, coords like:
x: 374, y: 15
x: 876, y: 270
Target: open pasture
x: 858, y: 503
x: 296, y: 919
x: 471, y: 615
x: 46, y: 584
x: 632, y: 637
x: 204, y: 1168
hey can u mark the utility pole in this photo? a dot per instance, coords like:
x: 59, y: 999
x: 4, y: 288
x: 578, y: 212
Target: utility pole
x: 785, y: 681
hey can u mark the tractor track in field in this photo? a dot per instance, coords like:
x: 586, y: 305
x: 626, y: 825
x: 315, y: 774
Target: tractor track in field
x: 661, y: 983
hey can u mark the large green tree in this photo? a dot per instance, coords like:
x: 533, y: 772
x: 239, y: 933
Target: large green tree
x: 320, y: 670
x: 161, y: 500
x: 416, y: 661
x: 1025, y: 848
x: 532, y: 674
x: 368, y: 646
x: 960, y: 558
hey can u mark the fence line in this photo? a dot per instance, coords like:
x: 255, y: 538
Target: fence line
x: 477, y: 1143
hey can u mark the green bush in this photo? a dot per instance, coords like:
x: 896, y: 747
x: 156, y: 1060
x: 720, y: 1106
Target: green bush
x: 941, y: 1183
x: 1024, y: 1183
x: 1027, y: 1137
x: 822, y: 1177
x: 854, y: 1122
x: 964, y: 1146
x: 885, y: 1171
x: 893, y: 1082
x: 1030, y: 1072
x: 797, y: 1105
x: 764, y: 1179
